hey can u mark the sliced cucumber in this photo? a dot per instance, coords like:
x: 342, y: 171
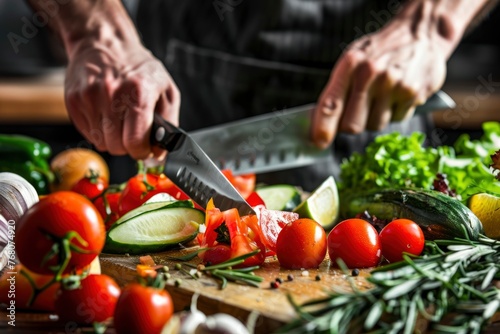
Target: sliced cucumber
x: 283, y: 197
x: 150, y: 206
x: 161, y: 197
x: 154, y: 230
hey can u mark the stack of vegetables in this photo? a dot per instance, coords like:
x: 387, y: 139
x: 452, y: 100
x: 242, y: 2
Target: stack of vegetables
x: 450, y: 287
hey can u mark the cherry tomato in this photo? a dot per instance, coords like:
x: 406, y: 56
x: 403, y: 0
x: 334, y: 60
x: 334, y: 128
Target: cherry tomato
x: 356, y: 242
x: 109, y: 208
x: 60, y: 215
x: 301, y: 244
x: 245, y: 183
x: 401, y: 236
x: 23, y: 289
x: 142, y: 309
x: 142, y: 187
x: 91, y: 185
x: 94, y: 300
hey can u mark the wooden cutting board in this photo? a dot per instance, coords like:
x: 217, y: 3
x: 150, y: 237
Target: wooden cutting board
x: 272, y: 305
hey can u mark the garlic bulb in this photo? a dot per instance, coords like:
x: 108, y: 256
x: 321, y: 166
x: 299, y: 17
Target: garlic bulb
x: 17, y: 195
x: 221, y: 323
x: 191, y: 319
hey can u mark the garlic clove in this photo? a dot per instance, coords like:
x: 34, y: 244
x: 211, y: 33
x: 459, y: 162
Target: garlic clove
x: 222, y: 323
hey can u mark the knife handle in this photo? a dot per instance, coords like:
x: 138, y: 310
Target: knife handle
x: 164, y: 134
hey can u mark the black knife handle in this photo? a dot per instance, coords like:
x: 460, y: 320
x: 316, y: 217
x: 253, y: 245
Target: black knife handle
x: 164, y: 134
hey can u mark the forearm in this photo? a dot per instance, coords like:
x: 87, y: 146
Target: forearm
x: 443, y: 21
x: 81, y: 23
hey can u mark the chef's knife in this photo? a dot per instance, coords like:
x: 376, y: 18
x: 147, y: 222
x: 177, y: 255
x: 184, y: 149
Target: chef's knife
x: 276, y: 141
x: 193, y: 171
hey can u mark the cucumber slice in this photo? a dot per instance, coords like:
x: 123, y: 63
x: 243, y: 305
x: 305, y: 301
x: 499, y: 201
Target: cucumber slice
x: 282, y: 197
x: 155, y: 230
x: 160, y: 197
x: 146, y: 207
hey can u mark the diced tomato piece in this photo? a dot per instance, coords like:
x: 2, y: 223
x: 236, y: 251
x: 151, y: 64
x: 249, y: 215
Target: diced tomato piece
x: 216, y: 254
x: 271, y: 222
x: 245, y: 183
x: 147, y: 260
x: 145, y: 270
x: 255, y: 200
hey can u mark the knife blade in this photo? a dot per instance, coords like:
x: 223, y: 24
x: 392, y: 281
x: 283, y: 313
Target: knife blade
x: 190, y: 168
x: 276, y: 141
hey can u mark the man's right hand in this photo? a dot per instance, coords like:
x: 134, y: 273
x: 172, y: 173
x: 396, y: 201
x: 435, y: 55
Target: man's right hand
x: 113, y: 84
x: 111, y: 94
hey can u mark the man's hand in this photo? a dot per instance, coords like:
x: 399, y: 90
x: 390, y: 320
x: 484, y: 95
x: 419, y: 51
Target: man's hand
x: 111, y: 95
x: 383, y: 76
x: 113, y: 84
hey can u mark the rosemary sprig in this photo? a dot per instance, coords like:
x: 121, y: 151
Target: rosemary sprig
x: 452, y: 277
x: 225, y: 271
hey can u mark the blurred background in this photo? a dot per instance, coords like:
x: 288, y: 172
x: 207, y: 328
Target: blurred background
x: 31, y: 82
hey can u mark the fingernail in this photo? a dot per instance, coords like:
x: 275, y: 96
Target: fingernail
x: 322, y: 140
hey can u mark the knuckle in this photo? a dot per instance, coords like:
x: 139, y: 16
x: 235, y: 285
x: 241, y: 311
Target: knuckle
x: 365, y: 73
x: 352, y: 56
x: 353, y: 128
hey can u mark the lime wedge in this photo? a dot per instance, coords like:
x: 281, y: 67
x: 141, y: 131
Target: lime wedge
x: 322, y: 205
x: 487, y: 208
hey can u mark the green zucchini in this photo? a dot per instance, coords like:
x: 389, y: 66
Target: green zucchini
x: 440, y: 216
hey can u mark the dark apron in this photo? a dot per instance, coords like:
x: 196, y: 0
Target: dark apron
x: 233, y: 59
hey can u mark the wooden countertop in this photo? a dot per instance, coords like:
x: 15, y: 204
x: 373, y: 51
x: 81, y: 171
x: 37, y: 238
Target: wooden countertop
x: 237, y: 300
x: 40, y: 100
x: 33, y: 100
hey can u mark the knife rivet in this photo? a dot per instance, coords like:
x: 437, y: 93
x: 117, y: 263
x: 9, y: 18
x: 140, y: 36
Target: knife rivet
x: 160, y: 133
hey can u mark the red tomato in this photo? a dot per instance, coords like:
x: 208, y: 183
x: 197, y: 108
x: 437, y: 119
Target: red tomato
x: 49, y: 221
x: 142, y: 309
x: 91, y: 186
x: 21, y: 286
x: 356, y: 242
x: 108, y: 208
x: 142, y: 187
x: 93, y: 301
x: 301, y: 244
x: 401, y: 236
x: 245, y: 184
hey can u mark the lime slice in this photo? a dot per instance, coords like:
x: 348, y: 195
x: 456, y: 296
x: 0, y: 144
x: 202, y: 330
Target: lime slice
x: 155, y: 230
x: 282, y: 197
x: 487, y: 208
x: 322, y: 205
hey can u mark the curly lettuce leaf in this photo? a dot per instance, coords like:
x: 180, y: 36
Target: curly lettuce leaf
x: 391, y: 161
x: 396, y: 161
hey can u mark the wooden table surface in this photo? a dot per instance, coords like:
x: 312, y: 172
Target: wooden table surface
x: 33, y: 100
x: 238, y: 300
